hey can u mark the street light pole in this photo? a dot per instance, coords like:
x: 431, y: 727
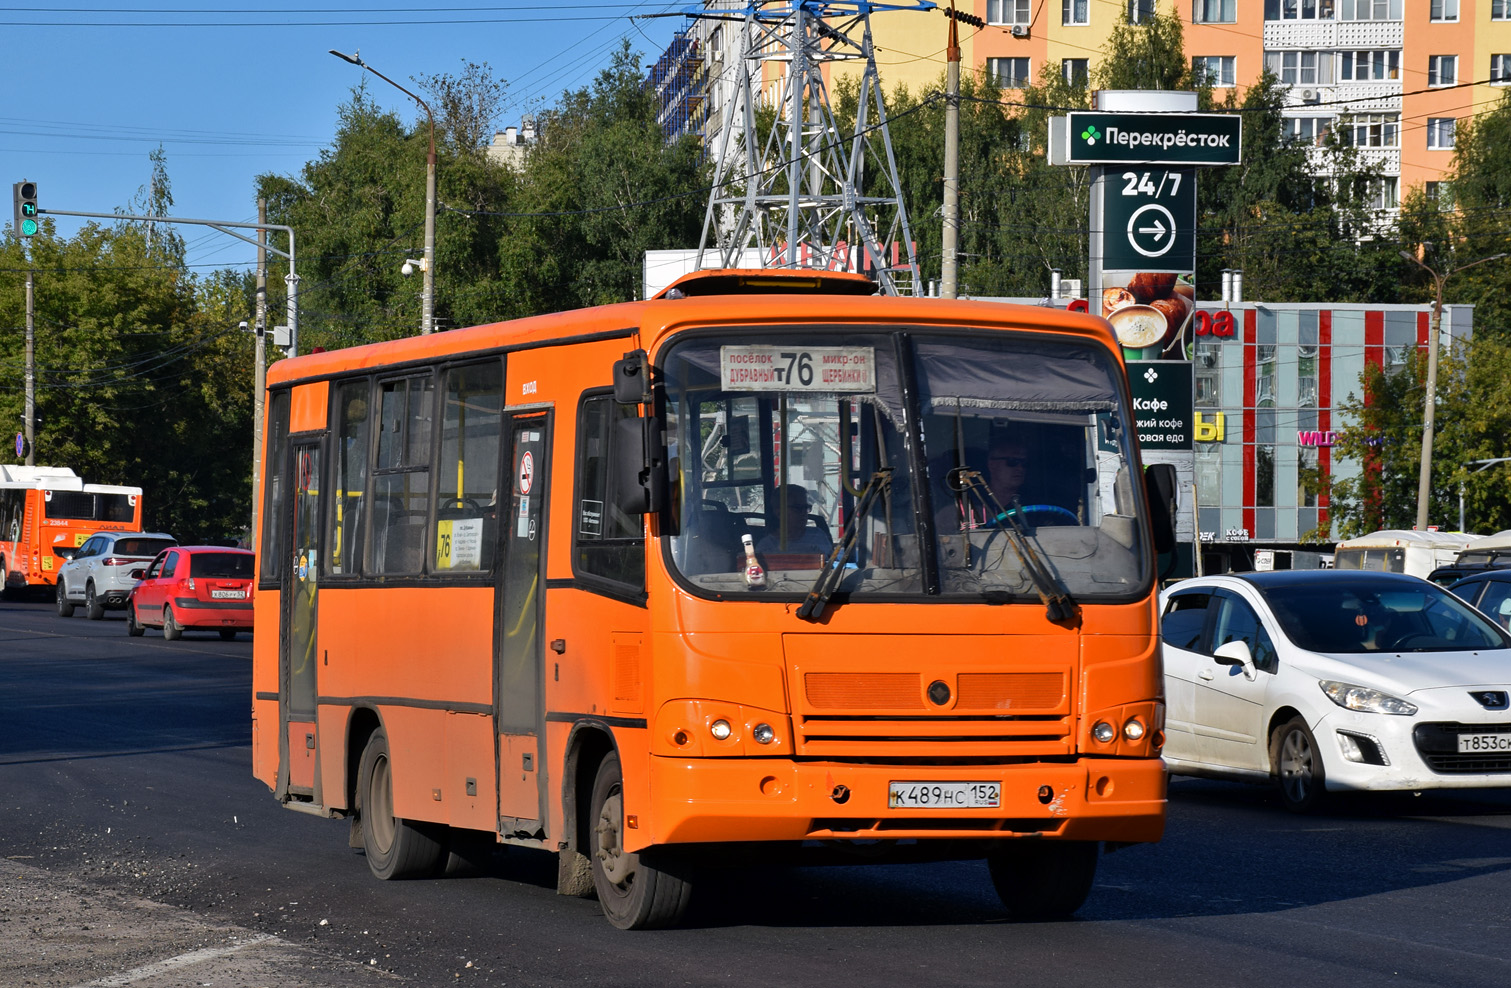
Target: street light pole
x: 427, y: 266
x: 1424, y: 473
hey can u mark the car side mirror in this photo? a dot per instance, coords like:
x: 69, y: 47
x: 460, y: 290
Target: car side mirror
x: 1235, y: 653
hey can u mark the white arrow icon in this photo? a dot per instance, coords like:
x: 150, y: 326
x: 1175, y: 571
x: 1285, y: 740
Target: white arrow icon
x: 1159, y: 230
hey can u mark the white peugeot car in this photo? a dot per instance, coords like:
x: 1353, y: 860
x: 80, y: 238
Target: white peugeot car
x: 1328, y: 680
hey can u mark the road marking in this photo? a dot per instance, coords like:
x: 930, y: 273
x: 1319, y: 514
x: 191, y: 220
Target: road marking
x: 174, y: 963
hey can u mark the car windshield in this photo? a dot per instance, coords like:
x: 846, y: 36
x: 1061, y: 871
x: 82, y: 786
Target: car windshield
x: 146, y: 548
x: 221, y: 565
x: 968, y: 451
x: 1342, y: 616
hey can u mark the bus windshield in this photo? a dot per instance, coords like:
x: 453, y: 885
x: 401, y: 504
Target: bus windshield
x: 981, y: 449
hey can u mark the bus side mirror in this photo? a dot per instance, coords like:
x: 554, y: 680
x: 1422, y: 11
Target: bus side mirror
x: 632, y: 381
x: 638, y: 480
x: 1160, y: 493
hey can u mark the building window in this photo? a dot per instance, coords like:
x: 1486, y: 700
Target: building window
x: 1214, y: 70
x: 1440, y: 133
x: 1077, y: 71
x: 1373, y: 130
x: 1306, y: 467
x: 1445, y: 10
x: 1440, y: 193
x: 1298, y: 10
x: 1500, y: 68
x: 1075, y: 12
x: 1214, y: 12
x: 1301, y: 68
x: 1442, y: 70
x: 1306, y: 130
x: 1370, y: 10
x: 1369, y: 66
x: 1140, y: 11
x: 1381, y: 193
x: 1500, y: 10
x: 1008, y: 73
x: 1008, y: 12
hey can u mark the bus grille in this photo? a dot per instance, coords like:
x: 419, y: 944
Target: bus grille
x: 991, y: 715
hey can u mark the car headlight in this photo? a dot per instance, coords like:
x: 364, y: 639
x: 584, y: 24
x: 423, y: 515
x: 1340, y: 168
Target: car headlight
x: 1362, y: 698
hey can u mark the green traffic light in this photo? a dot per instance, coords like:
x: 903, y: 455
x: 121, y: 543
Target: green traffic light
x: 28, y: 228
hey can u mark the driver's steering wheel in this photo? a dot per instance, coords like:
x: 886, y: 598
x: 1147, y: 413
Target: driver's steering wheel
x: 467, y: 504
x: 1051, y: 511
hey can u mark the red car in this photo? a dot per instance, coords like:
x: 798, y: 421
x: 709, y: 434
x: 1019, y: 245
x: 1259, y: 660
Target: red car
x: 195, y: 587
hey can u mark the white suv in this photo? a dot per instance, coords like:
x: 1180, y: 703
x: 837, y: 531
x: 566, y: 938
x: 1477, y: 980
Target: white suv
x: 98, y: 575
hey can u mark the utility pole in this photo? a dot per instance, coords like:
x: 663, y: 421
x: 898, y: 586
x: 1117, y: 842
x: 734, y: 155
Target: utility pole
x: 31, y: 370
x: 948, y: 265
x: 1424, y: 473
x: 427, y: 266
x: 260, y: 373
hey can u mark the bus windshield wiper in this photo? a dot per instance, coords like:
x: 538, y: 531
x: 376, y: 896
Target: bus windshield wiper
x: 834, y: 567
x: 1057, y: 601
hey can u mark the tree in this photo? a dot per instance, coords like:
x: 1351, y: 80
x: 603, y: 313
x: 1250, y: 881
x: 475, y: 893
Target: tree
x: 1385, y: 438
x: 1148, y: 55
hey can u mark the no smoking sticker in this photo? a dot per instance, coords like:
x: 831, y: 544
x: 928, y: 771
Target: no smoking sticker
x: 526, y: 472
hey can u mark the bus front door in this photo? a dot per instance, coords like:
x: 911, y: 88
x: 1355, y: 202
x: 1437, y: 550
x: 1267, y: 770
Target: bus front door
x: 300, y: 596
x: 517, y: 630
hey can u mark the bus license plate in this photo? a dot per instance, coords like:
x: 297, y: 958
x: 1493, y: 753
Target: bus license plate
x: 1474, y: 743
x: 943, y: 795
x: 228, y: 594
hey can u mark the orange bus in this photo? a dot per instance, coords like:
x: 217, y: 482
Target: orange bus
x: 735, y: 567
x: 48, y: 512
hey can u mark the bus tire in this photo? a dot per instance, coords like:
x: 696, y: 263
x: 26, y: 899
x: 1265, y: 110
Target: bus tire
x: 133, y: 627
x: 65, y: 607
x: 93, y: 605
x: 395, y: 848
x: 634, y: 895
x: 171, y: 629
x: 1042, y: 880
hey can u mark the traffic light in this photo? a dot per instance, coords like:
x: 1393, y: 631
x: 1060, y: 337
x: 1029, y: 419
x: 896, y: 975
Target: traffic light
x: 26, y: 208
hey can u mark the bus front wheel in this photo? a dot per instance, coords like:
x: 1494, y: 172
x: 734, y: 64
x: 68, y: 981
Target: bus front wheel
x: 395, y: 848
x: 1043, y: 880
x: 634, y: 895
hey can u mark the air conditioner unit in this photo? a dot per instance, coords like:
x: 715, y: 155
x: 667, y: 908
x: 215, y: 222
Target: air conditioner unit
x: 1020, y: 30
x: 1308, y: 95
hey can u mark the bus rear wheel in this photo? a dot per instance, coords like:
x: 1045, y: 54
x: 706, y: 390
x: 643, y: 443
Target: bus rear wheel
x: 1042, y: 880
x: 634, y: 895
x: 395, y: 848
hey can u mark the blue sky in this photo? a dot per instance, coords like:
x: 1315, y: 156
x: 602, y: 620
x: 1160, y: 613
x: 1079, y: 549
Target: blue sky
x: 91, y: 88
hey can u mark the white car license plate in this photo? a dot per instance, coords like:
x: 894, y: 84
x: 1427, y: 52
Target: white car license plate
x: 1474, y: 743
x: 943, y: 795
x: 228, y: 594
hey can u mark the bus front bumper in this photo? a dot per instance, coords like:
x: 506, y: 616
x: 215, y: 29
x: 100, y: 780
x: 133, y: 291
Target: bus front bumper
x: 736, y: 799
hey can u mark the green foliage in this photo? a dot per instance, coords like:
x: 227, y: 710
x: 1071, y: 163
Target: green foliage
x: 1148, y: 55
x: 1385, y: 439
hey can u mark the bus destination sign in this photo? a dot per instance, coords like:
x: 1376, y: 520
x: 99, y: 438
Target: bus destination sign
x: 1153, y: 138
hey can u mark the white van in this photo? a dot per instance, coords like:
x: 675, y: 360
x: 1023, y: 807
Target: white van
x: 1401, y: 551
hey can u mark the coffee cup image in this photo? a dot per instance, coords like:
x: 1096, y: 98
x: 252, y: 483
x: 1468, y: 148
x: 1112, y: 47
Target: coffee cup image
x: 1139, y: 325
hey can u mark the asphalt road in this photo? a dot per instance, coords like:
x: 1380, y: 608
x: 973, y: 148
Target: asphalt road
x: 136, y: 848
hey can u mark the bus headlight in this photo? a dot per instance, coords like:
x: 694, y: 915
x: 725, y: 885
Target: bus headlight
x: 763, y: 733
x: 1104, y: 732
x: 720, y: 730
x: 1134, y: 729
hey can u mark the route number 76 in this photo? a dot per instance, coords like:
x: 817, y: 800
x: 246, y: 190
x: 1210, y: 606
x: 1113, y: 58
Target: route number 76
x: 1142, y: 184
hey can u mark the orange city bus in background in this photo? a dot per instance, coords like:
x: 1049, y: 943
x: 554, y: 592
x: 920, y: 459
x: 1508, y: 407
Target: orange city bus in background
x: 48, y: 512
x: 550, y: 583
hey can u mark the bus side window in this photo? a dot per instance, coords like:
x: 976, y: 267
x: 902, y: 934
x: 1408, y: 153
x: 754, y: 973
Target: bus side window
x: 607, y: 543
x: 467, y: 484
x: 348, y: 507
x: 401, y: 481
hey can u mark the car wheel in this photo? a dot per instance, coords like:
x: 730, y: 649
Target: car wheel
x: 1042, y: 880
x: 133, y: 629
x: 171, y: 629
x: 65, y: 609
x: 93, y: 605
x: 634, y: 895
x: 1297, y: 764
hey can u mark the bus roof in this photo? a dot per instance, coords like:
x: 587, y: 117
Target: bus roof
x: 1392, y: 537
x: 57, y: 478
x: 645, y: 323
x: 1500, y: 540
